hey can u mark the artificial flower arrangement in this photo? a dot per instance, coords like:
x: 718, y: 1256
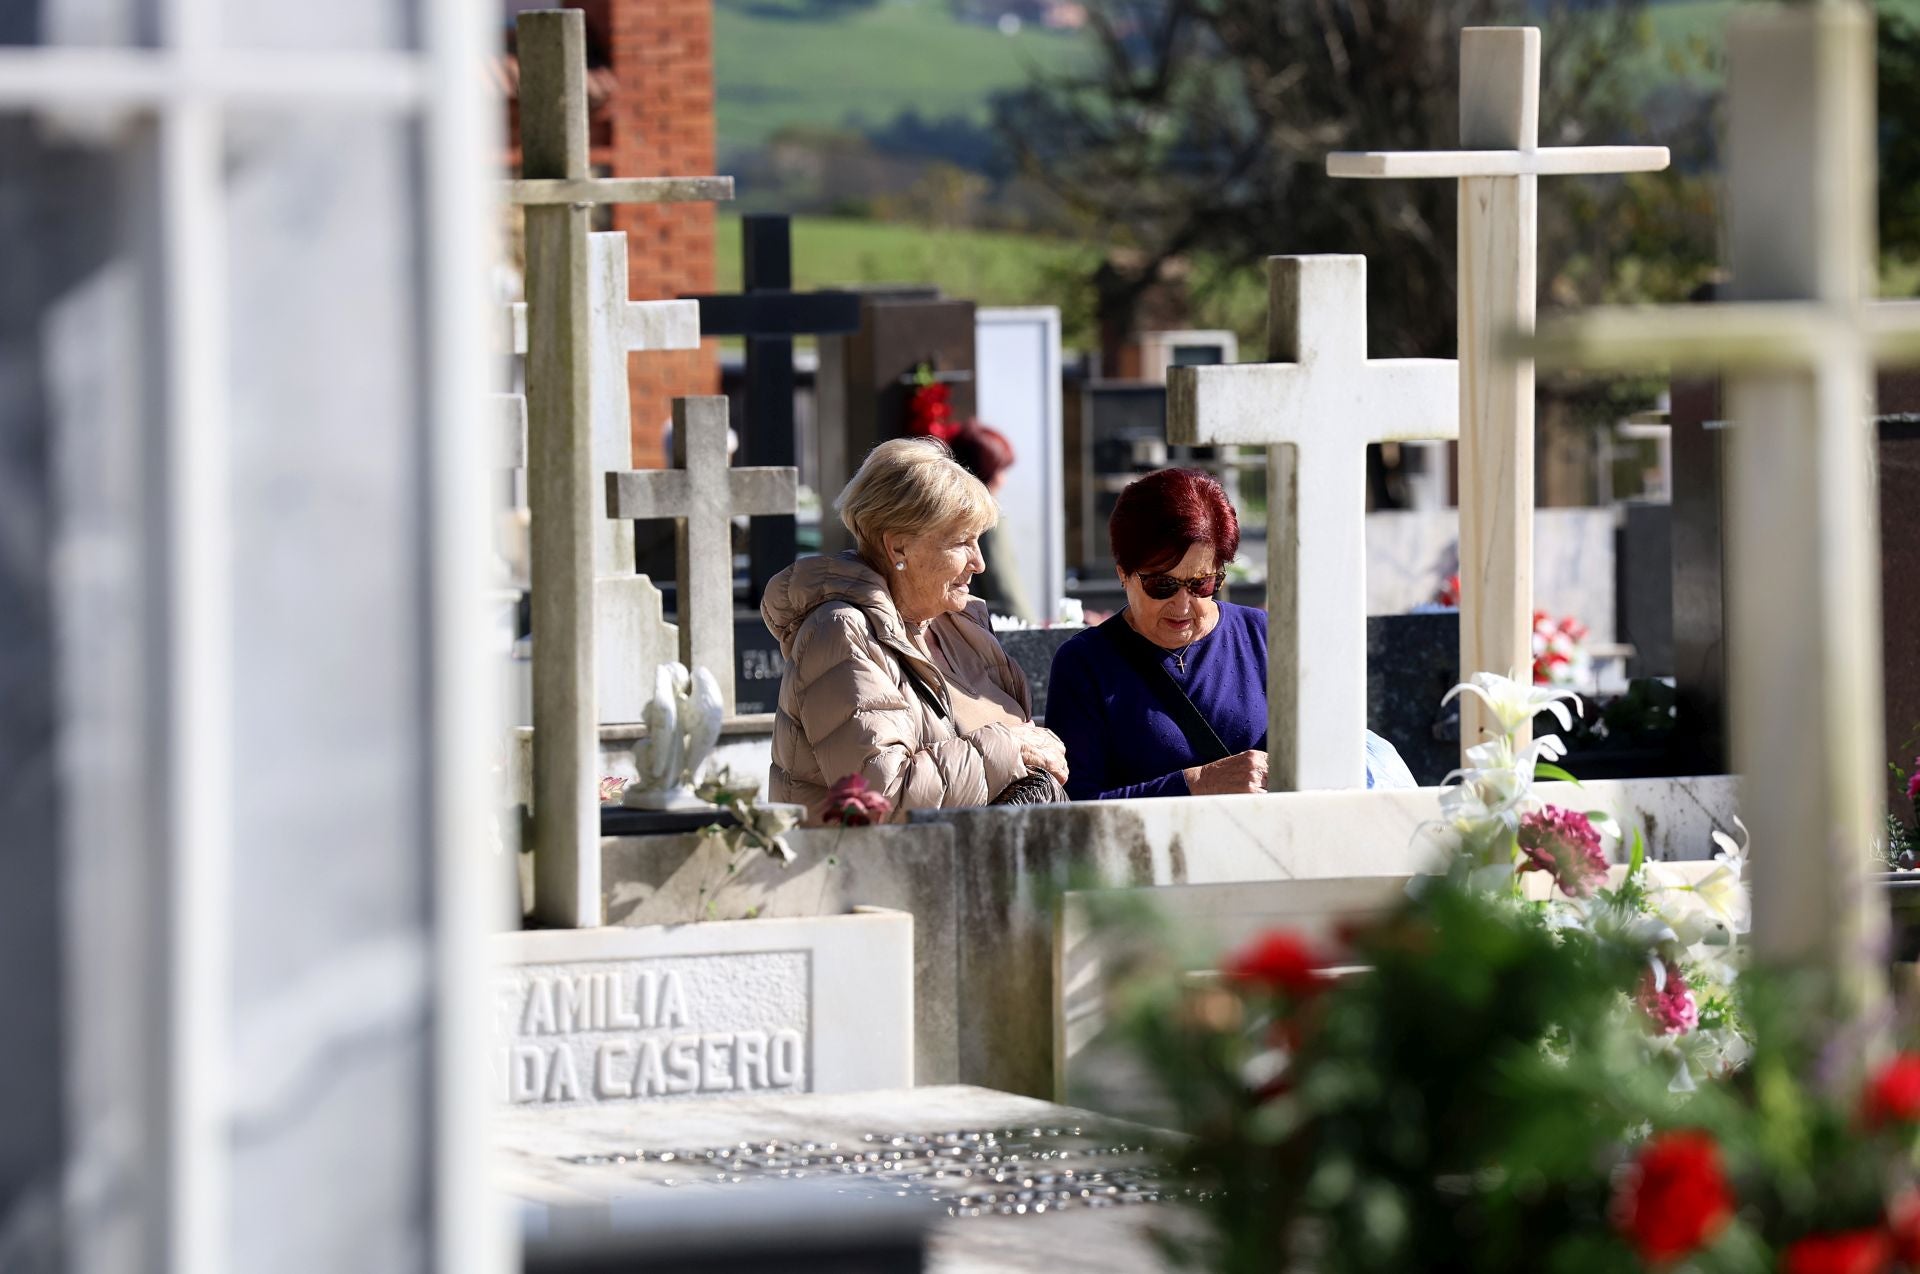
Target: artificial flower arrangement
x: 930, y: 407
x: 1560, y: 654
x: 1520, y: 1078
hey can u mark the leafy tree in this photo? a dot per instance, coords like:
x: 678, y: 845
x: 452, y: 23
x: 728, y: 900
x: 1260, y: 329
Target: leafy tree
x: 1200, y: 129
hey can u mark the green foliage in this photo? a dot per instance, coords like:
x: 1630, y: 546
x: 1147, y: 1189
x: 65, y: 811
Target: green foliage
x: 1448, y: 1108
x: 782, y: 63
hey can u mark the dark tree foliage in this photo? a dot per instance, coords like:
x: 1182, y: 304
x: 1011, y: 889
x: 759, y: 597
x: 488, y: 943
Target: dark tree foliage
x: 1899, y: 135
x: 1200, y: 133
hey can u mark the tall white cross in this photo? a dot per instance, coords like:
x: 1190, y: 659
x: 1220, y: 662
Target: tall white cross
x: 558, y: 191
x: 1798, y: 345
x: 1315, y: 406
x: 631, y: 639
x: 703, y: 493
x: 1498, y: 167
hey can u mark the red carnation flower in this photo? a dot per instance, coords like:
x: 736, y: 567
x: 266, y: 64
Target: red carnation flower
x: 1280, y: 962
x: 1674, y: 1199
x: 852, y: 803
x: 930, y: 412
x: 1892, y: 1096
x: 1671, y: 1009
x: 1854, y: 1252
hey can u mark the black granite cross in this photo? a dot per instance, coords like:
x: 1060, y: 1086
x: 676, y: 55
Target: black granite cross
x: 769, y: 314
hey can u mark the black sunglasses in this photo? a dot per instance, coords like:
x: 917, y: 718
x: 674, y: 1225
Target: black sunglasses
x: 1161, y: 587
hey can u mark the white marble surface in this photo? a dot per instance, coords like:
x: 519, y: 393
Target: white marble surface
x: 1410, y: 555
x: 533, y: 1144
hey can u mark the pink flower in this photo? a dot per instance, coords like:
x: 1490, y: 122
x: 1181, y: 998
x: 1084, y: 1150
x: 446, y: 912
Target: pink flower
x: 1564, y: 843
x: 1913, y: 784
x: 851, y: 803
x: 1671, y: 1008
x: 611, y: 787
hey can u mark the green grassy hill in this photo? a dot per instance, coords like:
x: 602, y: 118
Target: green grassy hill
x: 862, y: 68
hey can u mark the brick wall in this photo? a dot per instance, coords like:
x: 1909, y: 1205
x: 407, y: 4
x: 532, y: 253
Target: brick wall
x: 661, y: 125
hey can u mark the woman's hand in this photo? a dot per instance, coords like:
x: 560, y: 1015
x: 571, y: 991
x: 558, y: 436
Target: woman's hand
x: 1041, y: 749
x: 1236, y: 775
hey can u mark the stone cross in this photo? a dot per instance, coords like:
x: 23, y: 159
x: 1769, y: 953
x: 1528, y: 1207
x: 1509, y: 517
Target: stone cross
x: 1315, y: 406
x: 769, y: 314
x: 558, y: 191
x: 703, y: 493
x: 631, y: 637
x: 1797, y: 342
x: 1498, y: 168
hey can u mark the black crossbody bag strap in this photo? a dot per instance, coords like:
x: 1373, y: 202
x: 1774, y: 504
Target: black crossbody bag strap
x: 1144, y: 656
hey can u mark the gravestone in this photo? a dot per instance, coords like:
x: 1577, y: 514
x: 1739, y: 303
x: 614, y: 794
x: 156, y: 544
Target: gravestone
x: 769, y: 314
x: 1316, y: 406
x: 1643, y: 587
x: 1699, y: 576
x: 1412, y: 661
x: 702, y: 493
x: 758, y: 666
x: 1122, y: 434
x: 823, y: 1004
x: 1018, y: 392
x: 1498, y: 166
x: 867, y: 377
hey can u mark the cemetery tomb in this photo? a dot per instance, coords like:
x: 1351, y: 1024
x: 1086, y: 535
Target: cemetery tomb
x: 600, y: 1016
x: 1005, y: 1183
x: 867, y: 377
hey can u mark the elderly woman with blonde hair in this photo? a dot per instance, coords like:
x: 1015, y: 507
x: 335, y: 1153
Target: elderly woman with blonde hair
x: 893, y: 673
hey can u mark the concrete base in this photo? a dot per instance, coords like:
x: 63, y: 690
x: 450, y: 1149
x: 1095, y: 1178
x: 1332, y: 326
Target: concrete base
x: 983, y: 885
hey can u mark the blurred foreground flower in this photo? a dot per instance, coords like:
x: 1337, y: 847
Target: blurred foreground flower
x: 1674, y: 1198
x: 1892, y: 1096
x: 1277, y: 962
x: 851, y: 803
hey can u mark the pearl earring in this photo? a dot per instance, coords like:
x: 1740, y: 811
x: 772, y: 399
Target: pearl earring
x: 899, y: 566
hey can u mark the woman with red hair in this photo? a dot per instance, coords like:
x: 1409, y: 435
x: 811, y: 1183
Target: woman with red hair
x: 1169, y: 697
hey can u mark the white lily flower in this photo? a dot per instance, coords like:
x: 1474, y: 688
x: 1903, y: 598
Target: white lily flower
x: 1513, y: 702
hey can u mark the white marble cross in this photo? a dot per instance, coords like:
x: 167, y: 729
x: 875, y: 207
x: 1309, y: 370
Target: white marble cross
x: 1798, y: 345
x: 1315, y: 406
x: 571, y: 360
x: 631, y: 637
x: 704, y: 493
x: 1498, y: 167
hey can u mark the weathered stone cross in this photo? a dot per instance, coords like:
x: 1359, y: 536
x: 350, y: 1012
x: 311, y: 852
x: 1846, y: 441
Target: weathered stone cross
x: 1498, y: 167
x: 558, y: 191
x: 703, y: 493
x: 1798, y: 343
x: 1315, y: 406
x: 631, y: 639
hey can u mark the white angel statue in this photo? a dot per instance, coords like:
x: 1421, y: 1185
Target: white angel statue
x: 683, y: 725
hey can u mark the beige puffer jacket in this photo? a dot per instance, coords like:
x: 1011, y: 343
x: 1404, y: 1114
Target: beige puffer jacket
x: 858, y: 698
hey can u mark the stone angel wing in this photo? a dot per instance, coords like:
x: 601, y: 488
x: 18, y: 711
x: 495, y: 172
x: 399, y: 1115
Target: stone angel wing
x: 704, y: 711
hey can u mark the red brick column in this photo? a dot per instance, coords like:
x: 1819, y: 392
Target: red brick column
x: 661, y: 52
